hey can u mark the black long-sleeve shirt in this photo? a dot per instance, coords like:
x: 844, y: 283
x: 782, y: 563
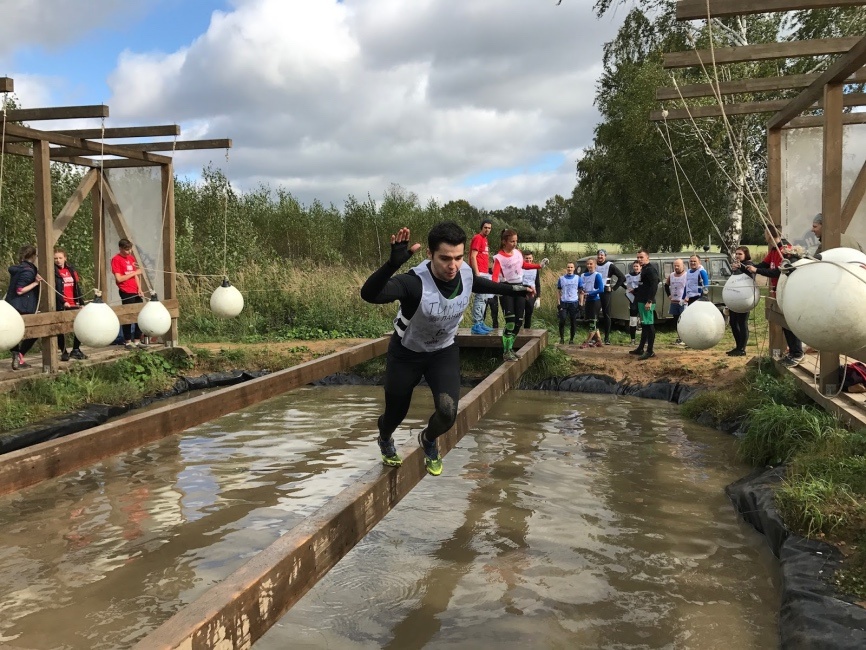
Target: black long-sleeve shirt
x: 649, y: 284
x: 381, y: 288
x: 613, y: 270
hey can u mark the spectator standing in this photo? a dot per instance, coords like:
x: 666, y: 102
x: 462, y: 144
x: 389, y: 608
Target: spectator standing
x: 67, y: 296
x: 531, y: 278
x: 847, y: 241
x: 592, y: 289
x: 126, y: 270
x: 23, y: 295
x: 675, y: 288
x: 632, y: 280
x: 479, y: 261
x: 607, y: 269
x: 568, y: 288
x: 740, y: 321
x: 697, y: 280
x: 645, y: 297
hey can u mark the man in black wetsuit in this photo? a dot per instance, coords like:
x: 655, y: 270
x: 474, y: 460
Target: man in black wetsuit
x: 645, y: 297
x: 433, y: 297
x: 607, y: 269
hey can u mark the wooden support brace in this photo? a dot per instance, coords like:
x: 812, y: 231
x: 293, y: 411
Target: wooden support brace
x: 818, y: 120
x: 60, y: 322
x: 854, y: 198
x: 183, y: 145
x: 45, y: 246
x: 56, y: 113
x: 74, y: 203
x: 760, y: 52
x: 238, y: 611
x: 746, y: 108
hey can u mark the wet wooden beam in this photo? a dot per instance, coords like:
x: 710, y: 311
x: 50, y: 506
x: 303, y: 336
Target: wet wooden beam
x: 26, y: 467
x: 760, y: 52
x: 54, y: 137
x: 59, y: 322
x: 56, y: 113
x: 181, y: 145
x: 747, y: 86
x: 702, y: 9
x: 746, y: 108
x: 840, y: 70
x: 7, y: 85
x: 239, y: 610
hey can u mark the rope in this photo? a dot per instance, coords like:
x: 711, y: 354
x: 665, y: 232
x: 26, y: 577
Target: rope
x: 225, y: 223
x: 676, y: 174
x: 2, y: 152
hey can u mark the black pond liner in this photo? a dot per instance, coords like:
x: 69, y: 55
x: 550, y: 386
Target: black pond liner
x: 96, y: 414
x: 812, y: 614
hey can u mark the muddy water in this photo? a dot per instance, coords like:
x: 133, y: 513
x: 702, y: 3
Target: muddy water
x: 562, y: 521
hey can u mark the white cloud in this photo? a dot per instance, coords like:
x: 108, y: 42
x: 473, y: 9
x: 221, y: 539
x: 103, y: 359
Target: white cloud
x: 332, y: 98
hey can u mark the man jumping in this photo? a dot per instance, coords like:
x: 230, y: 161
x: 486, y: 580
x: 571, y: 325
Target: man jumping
x: 433, y: 297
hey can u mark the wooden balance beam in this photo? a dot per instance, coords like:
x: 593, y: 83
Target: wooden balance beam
x: 239, y: 610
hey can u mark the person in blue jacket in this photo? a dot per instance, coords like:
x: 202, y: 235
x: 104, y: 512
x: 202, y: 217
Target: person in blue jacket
x: 697, y: 280
x: 593, y: 286
x: 23, y: 295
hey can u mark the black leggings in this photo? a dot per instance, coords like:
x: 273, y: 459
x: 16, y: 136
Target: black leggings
x: 129, y: 299
x: 740, y: 328
x: 403, y: 372
x: 528, y: 311
x: 513, y: 308
x: 605, y: 313
x: 569, y: 311
x: 24, y: 346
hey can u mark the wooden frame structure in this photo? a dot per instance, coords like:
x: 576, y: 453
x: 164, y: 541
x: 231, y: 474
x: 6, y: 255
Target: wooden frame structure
x: 78, y: 147
x: 824, y: 91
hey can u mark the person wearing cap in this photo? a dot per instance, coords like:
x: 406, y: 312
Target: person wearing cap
x: 606, y: 269
x: 846, y: 240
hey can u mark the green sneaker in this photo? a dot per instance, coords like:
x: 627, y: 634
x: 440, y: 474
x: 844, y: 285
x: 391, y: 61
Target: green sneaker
x: 432, y: 460
x: 389, y: 452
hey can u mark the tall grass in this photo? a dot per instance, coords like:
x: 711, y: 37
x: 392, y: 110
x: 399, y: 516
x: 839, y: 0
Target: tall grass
x: 776, y: 432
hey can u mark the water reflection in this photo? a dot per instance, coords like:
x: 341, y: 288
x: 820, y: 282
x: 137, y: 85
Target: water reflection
x: 562, y: 521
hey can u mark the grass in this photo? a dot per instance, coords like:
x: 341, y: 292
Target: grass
x: 824, y: 492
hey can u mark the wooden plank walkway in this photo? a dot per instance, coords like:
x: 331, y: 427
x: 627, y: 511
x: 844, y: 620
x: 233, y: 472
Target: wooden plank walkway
x: 849, y: 407
x: 239, y: 610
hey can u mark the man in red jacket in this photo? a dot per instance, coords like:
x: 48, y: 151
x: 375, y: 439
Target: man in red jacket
x: 126, y: 271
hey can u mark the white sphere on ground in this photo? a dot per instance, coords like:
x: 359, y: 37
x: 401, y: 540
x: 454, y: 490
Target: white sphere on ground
x: 825, y: 305
x: 741, y: 294
x: 154, y: 319
x: 844, y: 255
x: 11, y: 326
x: 226, y: 301
x: 701, y: 325
x: 96, y: 324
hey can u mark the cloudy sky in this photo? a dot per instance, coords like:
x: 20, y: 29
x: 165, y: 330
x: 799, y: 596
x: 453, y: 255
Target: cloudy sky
x: 486, y: 100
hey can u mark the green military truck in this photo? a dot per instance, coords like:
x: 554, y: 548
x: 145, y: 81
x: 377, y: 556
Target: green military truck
x: 717, y: 265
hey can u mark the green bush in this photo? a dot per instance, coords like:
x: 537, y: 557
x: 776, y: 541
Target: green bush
x: 722, y: 405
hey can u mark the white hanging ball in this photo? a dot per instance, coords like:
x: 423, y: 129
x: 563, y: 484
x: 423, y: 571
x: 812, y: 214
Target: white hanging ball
x: 825, y: 305
x: 96, y: 324
x: 741, y: 294
x: 783, y: 282
x: 11, y: 326
x: 701, y: 326
x: 226, y: 301
x: 154, y: 319
x: 844, y: 255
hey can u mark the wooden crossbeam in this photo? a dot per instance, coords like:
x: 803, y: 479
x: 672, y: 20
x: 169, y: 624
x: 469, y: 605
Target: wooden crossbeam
x: 855, y: 196
x: 743, y: 86
x: 74, y: 202
x: 760, y: 52
x: 746, y: 108
x: 56, y: 113
x: 60, y: 322
x: 7, y: 85
x: 818, y: 120
x: 840, y: 70
x: 124, y: 132
x: 701, y: 9
x: 239, y: 610
x: 78, y: 143
x: 26, y: 467
x: 180, y: 145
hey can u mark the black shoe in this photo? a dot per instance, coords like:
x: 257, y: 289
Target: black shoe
x: 737, y: 353
x: 561, y: 341
x: 646, y: 355
x: 571, y: 341
x: 64, y: 356
x: 16, y: 361
x: 24, y: 365
x: 637, y: 351
x: 78, y: 354
x: 607, y: 341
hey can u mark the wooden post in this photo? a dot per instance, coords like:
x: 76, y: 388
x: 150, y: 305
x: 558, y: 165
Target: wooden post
x: 45, y: 245
x: 831, y: 208
x: 169, y: 266
x: 774, y: 204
